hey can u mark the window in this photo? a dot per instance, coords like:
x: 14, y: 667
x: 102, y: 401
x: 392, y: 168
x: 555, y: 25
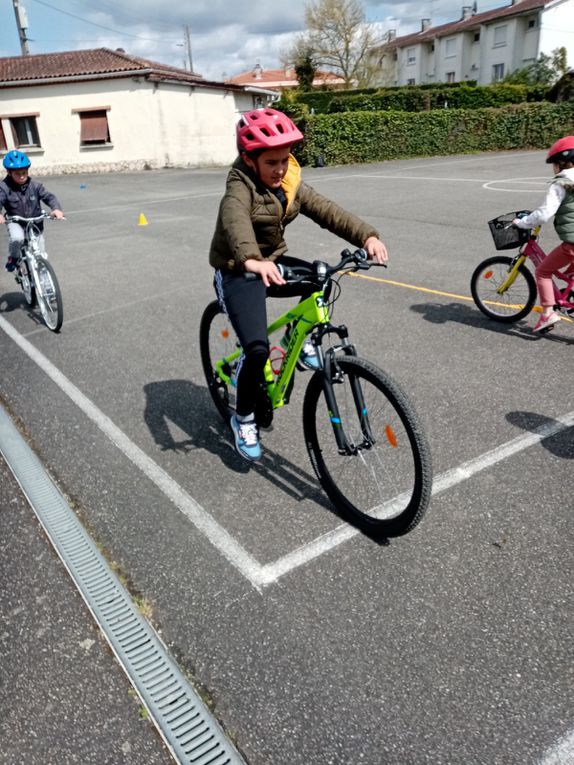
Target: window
x: 497, y: 72
x: 3, y: 146
x: 411, y: 56
x: 499, y: 36
x: 531, y: 23
x: 25, y: 131
x: 411, y: 81
x: 476, y: 37
x: 450, y: 47
x: 94, y: 129
x: 451, y: 76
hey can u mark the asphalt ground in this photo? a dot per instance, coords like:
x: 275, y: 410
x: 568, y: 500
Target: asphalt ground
x: 452, y: 644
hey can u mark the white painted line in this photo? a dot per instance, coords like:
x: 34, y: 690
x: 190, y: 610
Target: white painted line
x: 145, y: 203
x: 561, y: 753
x: 447, y: 480
x: 252, y: 570
x: 119, y: 307
x: 202, y: 520
x: 543, y: 183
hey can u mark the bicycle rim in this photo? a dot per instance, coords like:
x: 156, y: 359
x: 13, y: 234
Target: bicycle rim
x: 217, y: 340
x: 383, y: 482
x: 49, y: 295
x: 512, y: 304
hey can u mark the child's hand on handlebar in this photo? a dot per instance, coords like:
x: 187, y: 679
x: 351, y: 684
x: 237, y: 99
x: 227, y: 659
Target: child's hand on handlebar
x: 266, y: 269
x: 376, y: 250
x: 2, y: 219
x: 58, y: 214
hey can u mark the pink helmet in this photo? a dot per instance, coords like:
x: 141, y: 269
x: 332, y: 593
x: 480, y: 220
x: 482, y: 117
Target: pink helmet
x: 266, y: 129
x: 561, y: 151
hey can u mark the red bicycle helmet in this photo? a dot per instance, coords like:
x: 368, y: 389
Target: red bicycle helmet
x: 266, y: 129
x: 561, y: 151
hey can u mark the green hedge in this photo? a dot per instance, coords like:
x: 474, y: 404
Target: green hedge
x: 419, y: 99
x: 352, y: 137
x: 413, y: 98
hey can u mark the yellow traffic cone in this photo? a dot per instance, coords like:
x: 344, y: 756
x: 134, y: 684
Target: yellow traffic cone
x: 143, y: 221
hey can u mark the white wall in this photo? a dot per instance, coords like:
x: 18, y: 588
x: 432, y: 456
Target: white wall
x: 151, y: 125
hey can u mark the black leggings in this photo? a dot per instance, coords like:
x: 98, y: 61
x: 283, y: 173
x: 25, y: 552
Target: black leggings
x: 243, y: 300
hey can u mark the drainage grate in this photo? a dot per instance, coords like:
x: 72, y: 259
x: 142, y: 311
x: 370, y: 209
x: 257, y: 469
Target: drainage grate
x: 186, y: 725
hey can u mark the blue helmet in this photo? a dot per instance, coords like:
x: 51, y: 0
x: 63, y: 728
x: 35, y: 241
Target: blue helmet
x: 16, y: 160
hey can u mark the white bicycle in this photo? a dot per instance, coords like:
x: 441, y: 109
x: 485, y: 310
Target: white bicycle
x: 36, y: 275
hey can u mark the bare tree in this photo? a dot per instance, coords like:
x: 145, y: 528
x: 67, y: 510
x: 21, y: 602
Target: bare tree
x: 340, y: 40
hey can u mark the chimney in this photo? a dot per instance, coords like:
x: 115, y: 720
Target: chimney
x: 466, y: 12
x: 257, y: 71
x: 425, y: 24
x: 391, y: 34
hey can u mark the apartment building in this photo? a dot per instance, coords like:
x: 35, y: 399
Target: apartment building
x: 484, y: 47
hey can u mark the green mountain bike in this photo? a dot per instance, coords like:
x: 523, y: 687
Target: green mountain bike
x: 363, y: 436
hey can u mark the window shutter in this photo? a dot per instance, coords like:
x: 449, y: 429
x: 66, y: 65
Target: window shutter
x: 94, y: 127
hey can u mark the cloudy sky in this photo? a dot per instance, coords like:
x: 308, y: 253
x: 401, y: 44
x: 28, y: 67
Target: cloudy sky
x: 227, y: 36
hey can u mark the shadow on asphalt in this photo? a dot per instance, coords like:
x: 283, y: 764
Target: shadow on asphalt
x: 15, y: 301
x: 442, y: 313
x: 560, y: 445
x: 189, y: 407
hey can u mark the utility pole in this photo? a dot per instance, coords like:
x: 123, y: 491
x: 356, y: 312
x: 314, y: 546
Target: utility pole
x: 22, y: 24
x: 188, y: 47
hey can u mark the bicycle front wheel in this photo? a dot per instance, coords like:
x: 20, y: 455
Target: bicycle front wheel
x: 368, y: 449
x: 217, y: 340
x: 26, y: 283
x: 49, y: 295
x: 514, y: 303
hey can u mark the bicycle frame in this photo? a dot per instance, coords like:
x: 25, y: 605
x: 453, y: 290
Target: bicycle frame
x: 303, y: 318
x: 534, y: 252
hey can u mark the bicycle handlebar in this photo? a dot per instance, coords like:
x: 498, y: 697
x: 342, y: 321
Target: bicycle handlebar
x: 21, y: 219
x: 320, y: 272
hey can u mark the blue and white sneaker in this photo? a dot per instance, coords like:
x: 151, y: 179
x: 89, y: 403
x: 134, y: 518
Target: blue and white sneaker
x: 11, y: 264
x: 246, y: 438
x: 309, y: 356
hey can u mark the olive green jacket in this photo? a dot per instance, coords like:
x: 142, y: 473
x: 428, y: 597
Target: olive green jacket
x: 251, y: 221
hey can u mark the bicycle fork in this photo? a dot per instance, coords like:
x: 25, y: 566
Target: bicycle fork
x: 333, y: 376
x: 512, y: 274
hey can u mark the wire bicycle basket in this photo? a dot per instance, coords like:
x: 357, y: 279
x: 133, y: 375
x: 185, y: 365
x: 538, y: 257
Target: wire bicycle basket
x: 505, y: 235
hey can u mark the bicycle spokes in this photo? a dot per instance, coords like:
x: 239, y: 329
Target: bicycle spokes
x: 367, y: 447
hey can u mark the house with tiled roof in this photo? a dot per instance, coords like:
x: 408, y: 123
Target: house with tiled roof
x: 98, y: 110
x: 283, y: 79
x: 484, y: 47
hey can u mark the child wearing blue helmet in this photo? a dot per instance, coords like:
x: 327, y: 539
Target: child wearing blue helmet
x: 20, y: 195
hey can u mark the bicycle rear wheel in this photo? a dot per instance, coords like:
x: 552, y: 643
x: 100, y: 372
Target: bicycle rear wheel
x: 382, y: 479
x: 514, y: 303
x: 217, y: 340
x: 49, y: 295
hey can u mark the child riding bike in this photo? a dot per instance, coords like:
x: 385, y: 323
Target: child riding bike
x: 20, y: 195
x: 264, y: 193
x: 559, y: 202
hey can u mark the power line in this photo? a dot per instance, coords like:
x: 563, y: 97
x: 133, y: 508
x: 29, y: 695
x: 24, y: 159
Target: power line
x: 100, y: 26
